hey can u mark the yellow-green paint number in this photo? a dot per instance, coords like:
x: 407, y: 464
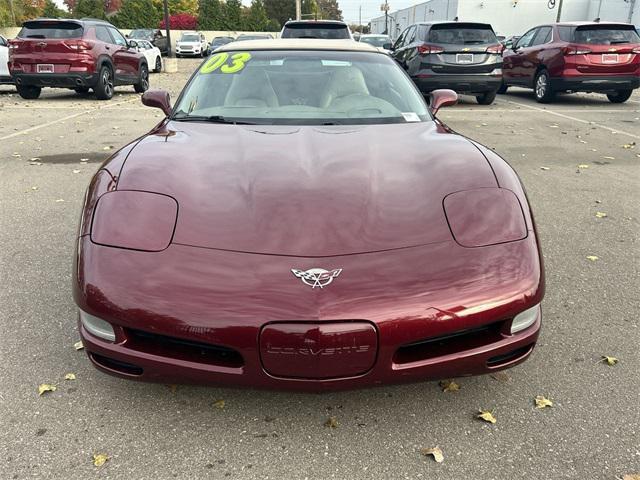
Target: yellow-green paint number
x: 219, y: 62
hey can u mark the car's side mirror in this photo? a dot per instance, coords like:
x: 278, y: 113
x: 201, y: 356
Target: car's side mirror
x: 158, y: 99
x: 133, y: 44
x: 387, y: 46
x: 442, y: 98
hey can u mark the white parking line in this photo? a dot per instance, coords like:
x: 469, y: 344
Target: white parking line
x: 62, y: 119
x: 516, y: 110
x: 568, y: 117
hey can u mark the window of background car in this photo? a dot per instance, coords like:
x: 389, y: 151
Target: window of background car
x: 304, y: 88
x: 526, y: 39
x: 190, y: 38
x: 411, y: 35
x: 375, y: 41
x: 542, y: 36
x: 102, y: 34
x: 565, y: 33
x: 118, y: 39
x: 324, y: 31
x: 400, y: 40
x: 462, y: 34
x: 606, y: 34
x: 40, y: 29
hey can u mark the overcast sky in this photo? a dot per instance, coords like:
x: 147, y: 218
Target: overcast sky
x: 350, y: 8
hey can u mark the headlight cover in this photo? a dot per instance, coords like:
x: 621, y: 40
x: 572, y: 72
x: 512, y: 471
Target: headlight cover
x: 97, y: 327
x: 484, y: 216
x: 134, y: 220
x: 525, y: 319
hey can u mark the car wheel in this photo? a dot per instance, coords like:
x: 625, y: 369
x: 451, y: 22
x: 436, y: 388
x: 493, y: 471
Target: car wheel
x: 158, y: 68
x: 143, y: 83
x: 82, y: 90
x: 104, y: 87
x: 620, y: 96
x: 503, y: 88
x: 177, y: 55
x: 542, y: 87
x: 486, y: 98
x: 29, y: 92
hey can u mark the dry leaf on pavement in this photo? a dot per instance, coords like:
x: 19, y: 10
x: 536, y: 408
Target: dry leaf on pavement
x: 78, y: 345
x: 332, y: 422
x: 583, y: 165
x: 593, y: 258
x: 99, y: 459
x: 611, y: 361
x: 435, y: 451
x: 628, y: 146
x: 46, y: 387
x: 544, y: 168
x: 601, y: 215
x: 486, y: 416
x: 219, y: 404
x: 70, y: 376
x: 449, y: 386
x: 631, y: 476
x: 543, y: 402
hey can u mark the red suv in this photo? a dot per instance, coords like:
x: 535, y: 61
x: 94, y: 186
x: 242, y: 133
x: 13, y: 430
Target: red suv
x: 575, y: 57
x: 76, y: 54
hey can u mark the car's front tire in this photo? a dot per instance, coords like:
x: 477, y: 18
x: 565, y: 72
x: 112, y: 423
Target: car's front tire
x: 104, y: 87
x: 143, y: 82
x: 486, y: 98
x: 542, y: 87
x: 158, y: 67
x: 620, y: 96
x: 29, y: 92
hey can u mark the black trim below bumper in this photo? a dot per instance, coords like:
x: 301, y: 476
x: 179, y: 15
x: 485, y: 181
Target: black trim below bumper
x: 6, y: 80
x: 595, y: 84
x: 60, y: 80
x: 475, y: 83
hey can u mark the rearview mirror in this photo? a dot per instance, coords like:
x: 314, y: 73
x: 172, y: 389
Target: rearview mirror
x: 158, y: 99
x: 387, y: 46
x: 133, y: 44
x: 442, y: 98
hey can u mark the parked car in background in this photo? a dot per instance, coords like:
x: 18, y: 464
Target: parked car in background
x: 509, y: 42
x: 256, y: 36
x: 463, y: 56
x: 575, y: 57
x: 76, y: 54
x: 323, y: 29
x: 5, y: 78
x: 151, y: 53
x: 192, y: 44
x: 219, y: 41
x: 154, y: 36
x: 380, y: 41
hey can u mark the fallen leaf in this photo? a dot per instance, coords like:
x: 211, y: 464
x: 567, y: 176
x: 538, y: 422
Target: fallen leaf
x: 544, y: 168
x: 486, y: 416
x: 627, y: 146
x: 436, y: 452
x: 631, y: 476
x: 553, y: 126
x: 449, y: 386
x: 99, y: 459
x: 500, y: 376
x: 77, y: 171
x: 173, y: 388
x: 70, y: 376
x: 16, y: 154
x: 60, y: 200
x: 219, y: 404
x: 609, y: 158
x: 107, y: 148
x: 611, y: 361
x: 82, y: 160
x: 582, y: 141
x: 543, y: 402
x: 34, y: 188
x: 46, y: 387
x: 34, y: 159
x: 594, y: 150
x: 332, y: 422
x: 78, y: 345
x: 601, y: 214
x: 583, y: 165
x: 35, y: 163
x: 593, y: 258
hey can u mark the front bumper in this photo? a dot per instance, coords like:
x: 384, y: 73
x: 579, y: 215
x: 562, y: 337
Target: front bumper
x: 59, y: 80
x: 6, y: 80
x: 428, y: 81
x: 188, y: 52
x: 595, y: 84
x: 196, y: 315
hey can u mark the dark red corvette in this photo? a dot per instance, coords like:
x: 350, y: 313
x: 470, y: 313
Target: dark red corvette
x: 300, y: 220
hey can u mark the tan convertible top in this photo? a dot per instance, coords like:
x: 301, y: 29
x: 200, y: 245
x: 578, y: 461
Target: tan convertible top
x: 299, y: 44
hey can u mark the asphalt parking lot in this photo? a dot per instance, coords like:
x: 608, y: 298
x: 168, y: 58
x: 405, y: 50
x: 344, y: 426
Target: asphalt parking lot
x: 578, y: 159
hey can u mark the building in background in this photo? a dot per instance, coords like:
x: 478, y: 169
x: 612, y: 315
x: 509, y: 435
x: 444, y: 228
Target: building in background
x: 508, y: 17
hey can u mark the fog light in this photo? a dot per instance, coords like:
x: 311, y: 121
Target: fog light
x: 98, y: 327
x: 525, y: 319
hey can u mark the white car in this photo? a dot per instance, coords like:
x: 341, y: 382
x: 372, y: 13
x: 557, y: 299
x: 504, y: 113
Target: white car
x: 151, y: 53
x: 192, y: 43
x: 4, y: 60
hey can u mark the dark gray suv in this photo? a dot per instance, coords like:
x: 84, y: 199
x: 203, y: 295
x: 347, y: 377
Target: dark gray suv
x: 463, y: 56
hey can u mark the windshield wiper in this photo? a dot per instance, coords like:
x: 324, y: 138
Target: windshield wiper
x: 209, y: 118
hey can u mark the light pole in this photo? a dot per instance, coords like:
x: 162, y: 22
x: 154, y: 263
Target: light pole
x: 13, y: 14
x: 559, y: 10
x: 298, y: 9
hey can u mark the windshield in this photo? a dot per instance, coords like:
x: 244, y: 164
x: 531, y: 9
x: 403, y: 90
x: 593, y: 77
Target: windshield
x: 190, y: 38
x: 462, y: 34
x: 50, y: 30
x: 301, y: 88
x: 324, y: 31
x: 605, y: 35
x: 375, y: 41
x: 141, y: 34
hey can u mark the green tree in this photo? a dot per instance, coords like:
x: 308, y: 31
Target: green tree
x: 179, y: 6
x: 211, y: 15
x: 280, y: 11
x: 329, y: 10
x: 51, y: 10
x: 232, y: 19
x: 90, y: 9
x: 256, y: 19
x: 137, y: 14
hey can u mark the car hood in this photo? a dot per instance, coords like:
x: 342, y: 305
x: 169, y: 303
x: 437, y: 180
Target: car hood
x: 307, y: 191
x: 179, y: 42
